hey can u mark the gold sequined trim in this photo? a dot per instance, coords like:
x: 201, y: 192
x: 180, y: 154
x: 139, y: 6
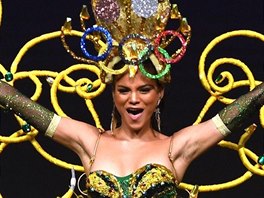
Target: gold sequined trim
x: 53, y: 126
x: 221, y: 127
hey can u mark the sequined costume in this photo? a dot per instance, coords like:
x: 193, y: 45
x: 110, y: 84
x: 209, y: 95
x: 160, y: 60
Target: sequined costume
x: 236, y: 114
x: 151, y: 180
x: 147, y: 181
x: 33, y: 113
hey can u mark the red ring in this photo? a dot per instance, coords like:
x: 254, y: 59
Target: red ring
x: 157, y: 43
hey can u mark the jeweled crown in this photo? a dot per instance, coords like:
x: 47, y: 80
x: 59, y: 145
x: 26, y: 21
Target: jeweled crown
x: 132, y: 31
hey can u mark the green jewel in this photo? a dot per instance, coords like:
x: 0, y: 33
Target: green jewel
x: 261, y: 160
x: 89, y: 87
x: 219, y: 78
x: 8, y: 76
x: 26, y: 128
x: 148, y: 167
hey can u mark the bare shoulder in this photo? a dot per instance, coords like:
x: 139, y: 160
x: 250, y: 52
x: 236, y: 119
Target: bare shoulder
x: 162, y: 136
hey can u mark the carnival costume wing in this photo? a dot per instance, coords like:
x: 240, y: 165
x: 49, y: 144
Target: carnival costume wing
x: 126, y: 32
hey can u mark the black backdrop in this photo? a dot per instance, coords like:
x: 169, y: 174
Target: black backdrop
x: 24, y: 173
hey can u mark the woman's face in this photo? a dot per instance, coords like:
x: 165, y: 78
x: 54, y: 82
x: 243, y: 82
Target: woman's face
x: 136, y: 99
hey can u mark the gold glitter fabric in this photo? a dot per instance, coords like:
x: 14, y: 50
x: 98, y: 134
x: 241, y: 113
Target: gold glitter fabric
x: 122, y: 18
x: 132, y: 31
x: 236, y: 115
x: 33, y: 113
x: 152, y: 180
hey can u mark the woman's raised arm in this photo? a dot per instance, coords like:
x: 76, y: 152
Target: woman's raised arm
x: 68, y: 131
x: 191, y: 141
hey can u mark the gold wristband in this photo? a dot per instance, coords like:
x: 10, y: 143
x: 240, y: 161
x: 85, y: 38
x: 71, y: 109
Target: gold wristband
x: 53, y: 126
x: 221, y: 127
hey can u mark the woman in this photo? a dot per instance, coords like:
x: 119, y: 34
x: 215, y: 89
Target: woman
x: 133, y: 160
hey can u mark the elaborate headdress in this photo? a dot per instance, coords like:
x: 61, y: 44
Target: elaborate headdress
x: 132, y: 31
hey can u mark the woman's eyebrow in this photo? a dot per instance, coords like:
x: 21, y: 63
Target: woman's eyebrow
x: 146, y: 85
x: 121, y: 86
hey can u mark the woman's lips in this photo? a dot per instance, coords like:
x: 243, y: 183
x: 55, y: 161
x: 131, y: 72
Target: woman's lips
x: 135, y: 117
x: 134, y: 113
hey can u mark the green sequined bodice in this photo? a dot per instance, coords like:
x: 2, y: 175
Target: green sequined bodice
x: 152, y: 180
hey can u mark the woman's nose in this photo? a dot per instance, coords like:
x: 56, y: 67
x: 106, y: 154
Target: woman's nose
x: 134, y: 98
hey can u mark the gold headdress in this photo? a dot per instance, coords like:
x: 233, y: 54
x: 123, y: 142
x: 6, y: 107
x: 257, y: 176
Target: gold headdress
x: 132, y: 31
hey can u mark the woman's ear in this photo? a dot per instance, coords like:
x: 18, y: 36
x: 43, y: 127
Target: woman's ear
x: 161, y: 94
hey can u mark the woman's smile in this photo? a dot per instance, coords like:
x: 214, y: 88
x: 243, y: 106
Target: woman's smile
x: 136, y: 99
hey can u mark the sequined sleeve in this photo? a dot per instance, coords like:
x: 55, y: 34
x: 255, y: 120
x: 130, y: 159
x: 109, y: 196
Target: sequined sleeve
x: 33, y: 113
x: 236, y: 115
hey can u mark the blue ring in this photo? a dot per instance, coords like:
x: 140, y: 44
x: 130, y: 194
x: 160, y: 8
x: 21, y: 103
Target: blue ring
x: 140, y: 59
x: 108, y: 38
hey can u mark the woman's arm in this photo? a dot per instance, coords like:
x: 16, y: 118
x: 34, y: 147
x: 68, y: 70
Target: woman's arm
x: 33, y: 113
x: 63, y: 130
x: 235, y: 116
x: 190, y: 142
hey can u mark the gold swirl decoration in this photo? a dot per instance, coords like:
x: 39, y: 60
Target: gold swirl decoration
x: 217, y: 94
x: 88, y: 89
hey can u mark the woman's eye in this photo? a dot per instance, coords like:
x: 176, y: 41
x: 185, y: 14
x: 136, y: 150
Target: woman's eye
x: 123, y: 91
x: 145, y: 90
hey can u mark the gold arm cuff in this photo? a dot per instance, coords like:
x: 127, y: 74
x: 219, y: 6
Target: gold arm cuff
x: 53, y: 126
x: 221, y: 127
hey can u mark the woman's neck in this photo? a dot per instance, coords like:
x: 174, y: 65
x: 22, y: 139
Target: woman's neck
x: 128, y: 133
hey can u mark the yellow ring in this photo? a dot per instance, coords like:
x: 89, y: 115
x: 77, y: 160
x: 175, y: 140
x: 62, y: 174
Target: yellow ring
x: 115, y: 60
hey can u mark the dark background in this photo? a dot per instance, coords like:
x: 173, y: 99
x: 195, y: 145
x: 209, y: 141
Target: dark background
x: 26, y: 174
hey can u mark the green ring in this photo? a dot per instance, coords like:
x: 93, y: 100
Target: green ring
x: 163, y: 72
